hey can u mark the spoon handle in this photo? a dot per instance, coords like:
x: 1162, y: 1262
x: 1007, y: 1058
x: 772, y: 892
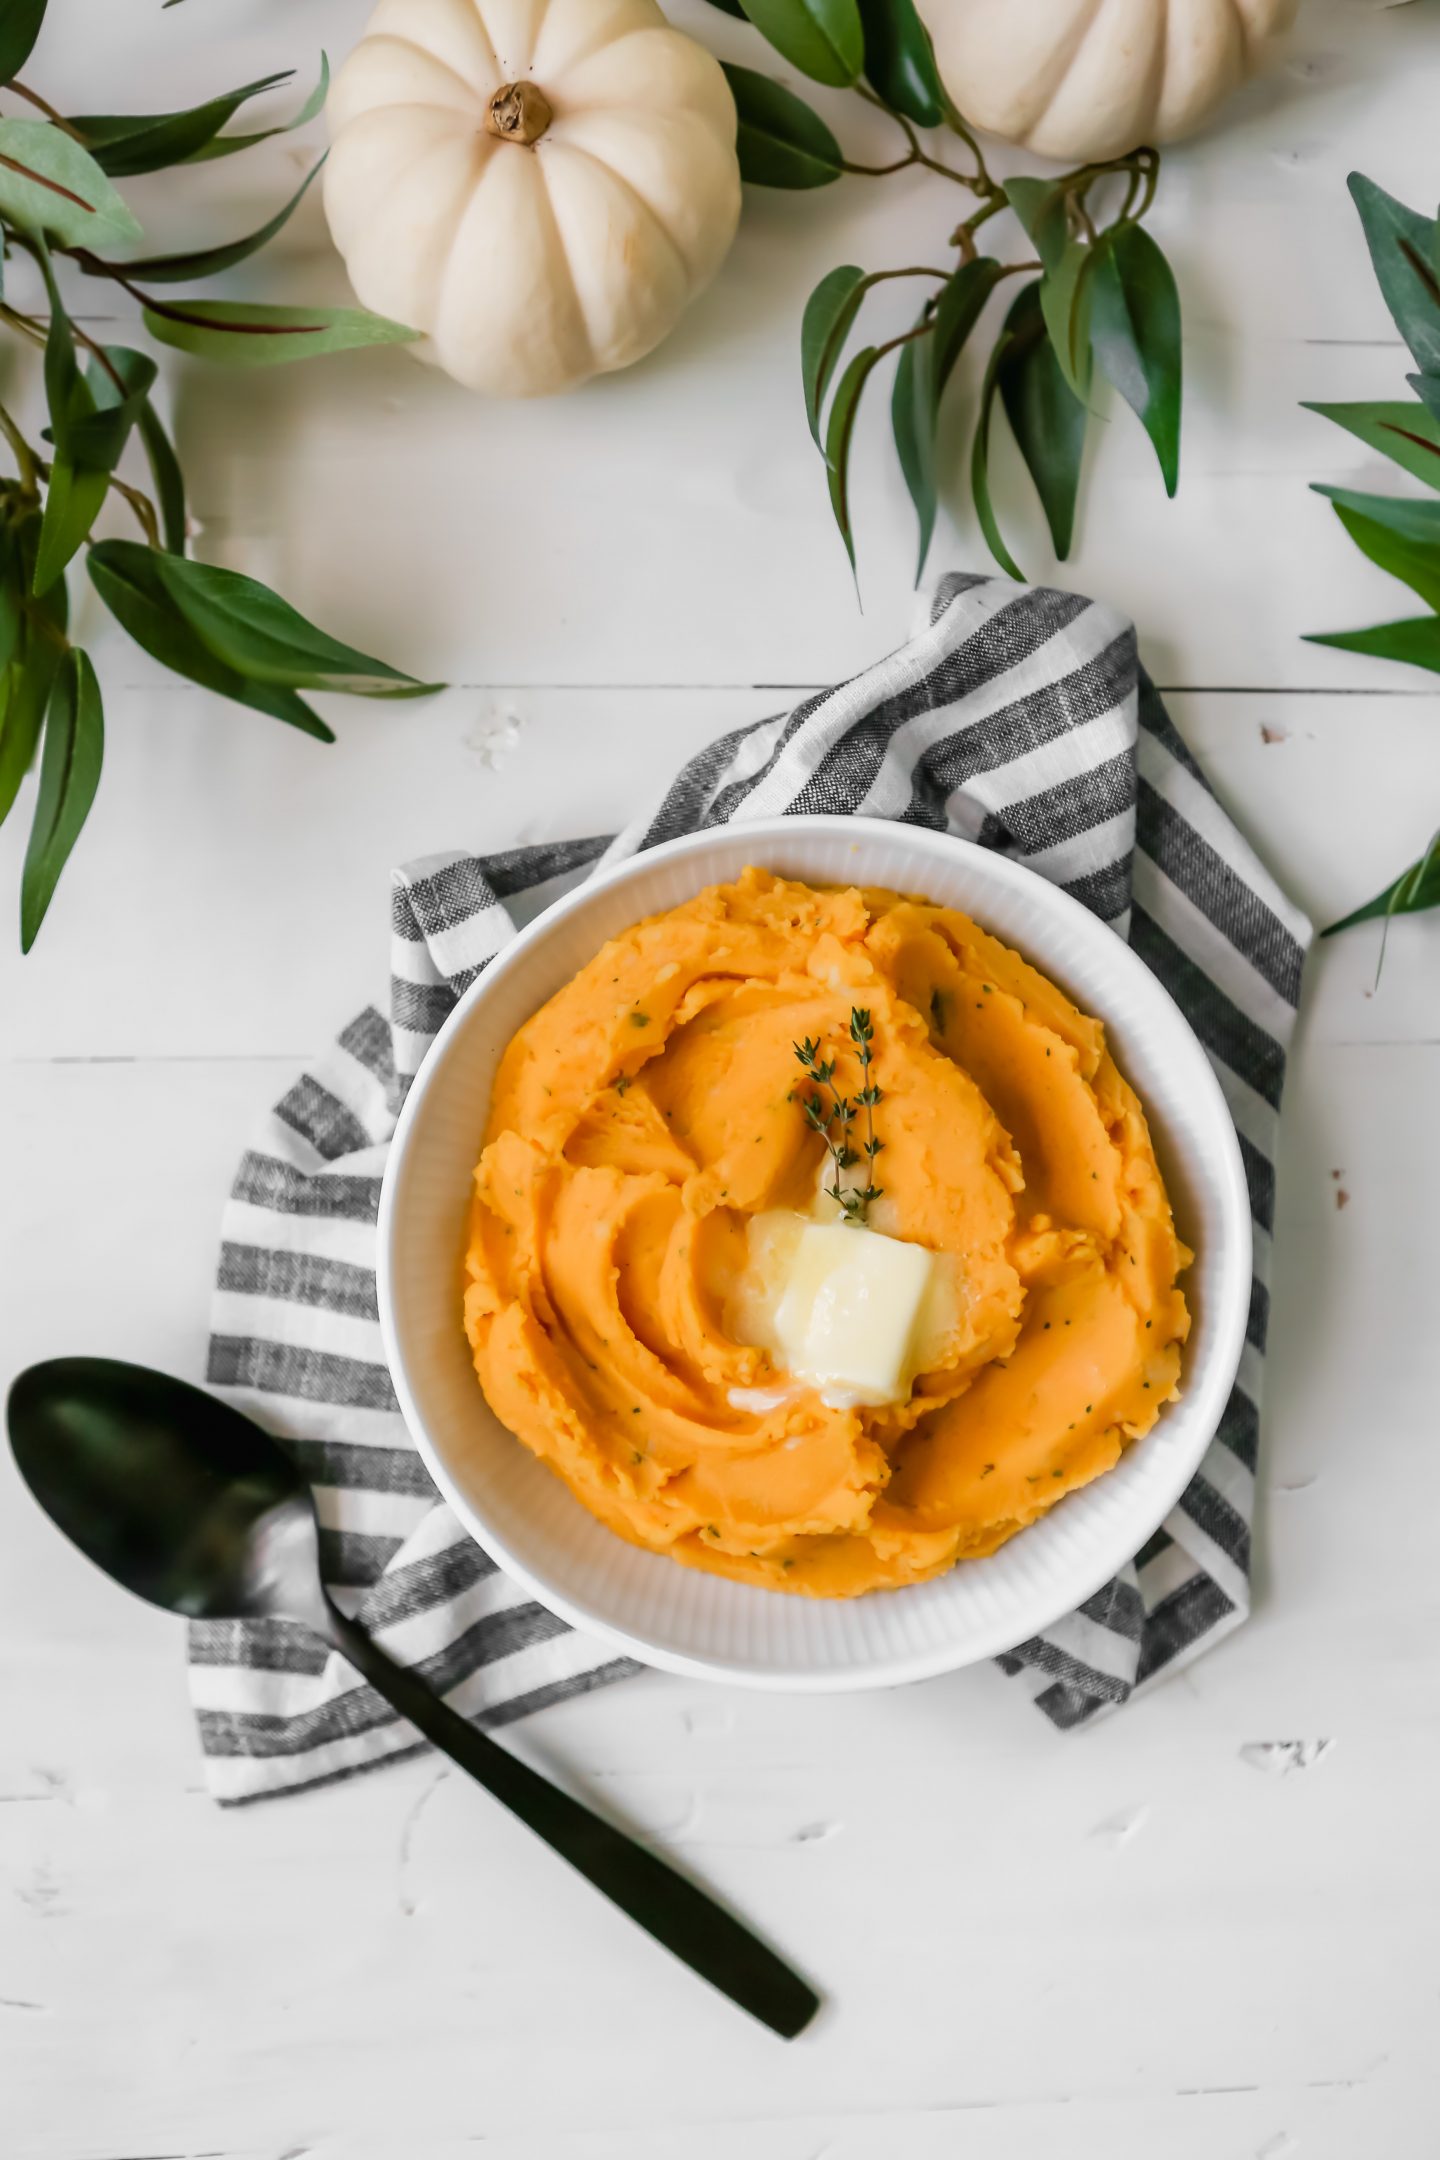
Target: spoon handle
x: 688, y: 1922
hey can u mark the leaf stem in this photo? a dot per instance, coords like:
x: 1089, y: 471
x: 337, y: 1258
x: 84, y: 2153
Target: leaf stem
x: 25, y: 458
x: 916, y: 155
x: 142, y: 506
x: 878, y: 277
x: 25, y: 324
x: 1142, y: 172
x: 906, y: 337
x: 982, y: 183
x: 33, y: 97
x: 963, y: 236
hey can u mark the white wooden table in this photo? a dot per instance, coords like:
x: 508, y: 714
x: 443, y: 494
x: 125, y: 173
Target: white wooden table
x: 1131, y: 1943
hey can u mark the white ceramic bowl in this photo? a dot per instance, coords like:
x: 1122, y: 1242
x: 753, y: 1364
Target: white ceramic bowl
x: 674, y: 1616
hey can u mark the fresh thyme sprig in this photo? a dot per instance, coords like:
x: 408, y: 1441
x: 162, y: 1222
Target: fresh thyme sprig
x: 834, y: 1116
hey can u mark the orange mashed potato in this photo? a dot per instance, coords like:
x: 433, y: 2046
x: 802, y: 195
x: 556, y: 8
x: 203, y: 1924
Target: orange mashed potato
x: 650, y: 1109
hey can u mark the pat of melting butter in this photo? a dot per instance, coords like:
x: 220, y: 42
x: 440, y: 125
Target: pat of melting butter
x: 842, y: 1309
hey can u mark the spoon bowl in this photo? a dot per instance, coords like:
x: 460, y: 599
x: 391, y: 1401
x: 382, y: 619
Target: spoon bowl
x: 192, y: 1506
x: 175, y: 1495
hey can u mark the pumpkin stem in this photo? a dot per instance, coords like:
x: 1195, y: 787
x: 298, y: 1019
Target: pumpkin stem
x: 518, y: 112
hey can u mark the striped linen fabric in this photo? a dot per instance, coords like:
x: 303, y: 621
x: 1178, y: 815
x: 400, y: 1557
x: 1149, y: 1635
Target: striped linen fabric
x: 1018, y: 718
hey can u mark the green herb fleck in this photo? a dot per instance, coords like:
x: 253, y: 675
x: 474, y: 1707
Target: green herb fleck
x: 639, y: 1019
x: 622, y: 1083
x: 939, y: 1006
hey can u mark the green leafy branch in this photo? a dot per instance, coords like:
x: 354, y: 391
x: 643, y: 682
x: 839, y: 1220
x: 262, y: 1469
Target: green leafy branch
x: 1099, y: 292
x: 1399, y: 533
x: 59, y: 206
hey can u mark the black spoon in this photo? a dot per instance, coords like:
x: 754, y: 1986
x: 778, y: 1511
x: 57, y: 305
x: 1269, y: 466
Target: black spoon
x: 191, y: 1505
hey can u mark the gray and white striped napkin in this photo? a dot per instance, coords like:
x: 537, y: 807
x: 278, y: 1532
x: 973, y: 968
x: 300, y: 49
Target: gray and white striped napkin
x: 1018, y: 718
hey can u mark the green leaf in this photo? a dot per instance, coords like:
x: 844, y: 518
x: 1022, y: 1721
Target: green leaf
x: 1040, y: 207
x: 1135, y: 335
x: 73, y: 501
x: 925, y: 367
x: 912, y: 405
x: 90, y: 421
x: 127, y: 143
x: 838, y: 436
x: 822, y: 38
x: 74, y: 493
x: 780, y: 142
x: 209, y: 262
x: 1065, y: 306
x: 1402, y: 246
x: 249, y: 334
x: 980, y: 460
x: 25, y: 684
x: 1416, y: 641
x: 227, y: 145
x: 100, y: 416
x: 1046, y: 418
x: 1415, y: 890
x: 1427, y: 387
x: 48, y: 184
x: 23, y: 698
x: 64, y: 386
x: 12, y: 597
x: 899, y: 61
x: 168, y: 478
x: 824, y: 327
x: 52, y: 607
x: 1396, y: 428
x: 1400, y: 536
x: 958, y: 309
x: 20, y: 22
x: 69, y: 776
x: 127, y: 578
x: 251, y: 629
x: 98, y: 438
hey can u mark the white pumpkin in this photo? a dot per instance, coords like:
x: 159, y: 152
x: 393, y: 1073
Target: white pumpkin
x: 538, y: 186
x: 1083, y: 79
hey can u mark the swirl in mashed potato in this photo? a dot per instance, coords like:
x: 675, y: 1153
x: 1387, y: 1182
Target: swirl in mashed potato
x: 646, y: 1135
